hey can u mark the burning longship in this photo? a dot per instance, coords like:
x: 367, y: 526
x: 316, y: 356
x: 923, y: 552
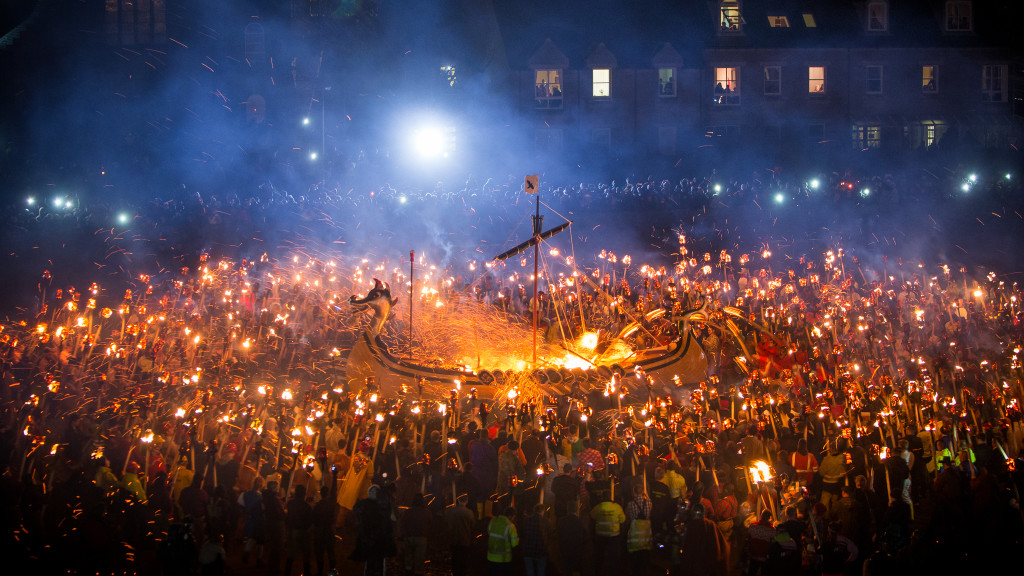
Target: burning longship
x: 678, y: 362
x: 674, y: 360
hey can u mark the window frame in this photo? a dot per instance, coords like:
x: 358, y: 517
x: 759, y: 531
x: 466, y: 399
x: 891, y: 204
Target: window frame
x: 824, y: 81
x: 778, y: 80
x: 865, y: 136
x: 883, y: 22
x: 934, y: 79
x: 548, y: 101
x: 779, y: 21
x: 661, y: 87
x: 868, y: 79
x: 999, y: 93
x: 733, y: 23
x: 729, y: 96
x: 948, y: 21
x: 594, y: 83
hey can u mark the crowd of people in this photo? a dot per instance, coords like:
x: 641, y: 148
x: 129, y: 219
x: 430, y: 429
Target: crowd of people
x: 854, y: 418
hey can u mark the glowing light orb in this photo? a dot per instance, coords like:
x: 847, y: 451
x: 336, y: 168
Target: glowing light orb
x: 428, y: 142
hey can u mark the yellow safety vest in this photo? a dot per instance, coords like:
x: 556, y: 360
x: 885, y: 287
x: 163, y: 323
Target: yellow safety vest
x: 502, y: 538
x: 639, y: 536
x: 607, y: 516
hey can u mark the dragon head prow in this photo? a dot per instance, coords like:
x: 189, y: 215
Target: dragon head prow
x: 380, y: 300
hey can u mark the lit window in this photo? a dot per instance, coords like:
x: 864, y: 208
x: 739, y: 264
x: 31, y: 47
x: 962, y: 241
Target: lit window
x: 873, y: 79
x: 548, y: 89
x: 772, y: 80
x: 727, y: 86
x: 778, y: 21
x: 448, y: 75
x: 809, y: 20
x: 958, y: 16
x: 666, y: 82
x: 993, y: 83
x: 816, y: 79
x: 602, y: 83
x: 930, y: 79
x: 866, y: 136
x: 878, y: 17
x: 731, y: 19
x: 930, y: 134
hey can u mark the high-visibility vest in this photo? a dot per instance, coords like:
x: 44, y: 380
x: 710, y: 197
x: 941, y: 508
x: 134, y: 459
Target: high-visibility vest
x: 607, y: 516
x: 502, y: 538
x: 639, y: 536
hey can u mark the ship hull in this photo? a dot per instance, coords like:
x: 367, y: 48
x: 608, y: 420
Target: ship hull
x: 681, y: 363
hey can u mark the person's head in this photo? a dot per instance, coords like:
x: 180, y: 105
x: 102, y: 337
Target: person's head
x: 373, y: 492
x: 324, y: 492
x: 257, y: 483
x: 638, y: 490
x: 659, y: 473
x: 861, y: 482
x: 567, y: 468
x: 766, y: 516
x: 513, y: 445
x: 462, y: 500
x: 300, y: 492
x: 791, y: 512
x: 509, y: 512
x: 272, y: 486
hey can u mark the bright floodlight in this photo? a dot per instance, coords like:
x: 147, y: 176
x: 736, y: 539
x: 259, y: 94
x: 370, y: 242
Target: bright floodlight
x: 973, y: 177
x: 401, y: 199
x: 865, y: 192
x: 428, y: 142
x: 815, y: 183
x: 122, y: 218
x: 965, y: 187
x: 31, y: 201
x: 312, y: 156
x: 58, y: 202
x: 718, y: 188
x: 1008, y: 176
x: 779, y: 198
x: 305, y: 121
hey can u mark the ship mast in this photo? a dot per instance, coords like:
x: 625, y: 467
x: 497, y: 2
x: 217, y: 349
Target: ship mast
x: 535, y: 240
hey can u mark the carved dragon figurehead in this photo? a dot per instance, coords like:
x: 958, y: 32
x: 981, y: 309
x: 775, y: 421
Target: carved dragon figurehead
x: 380, y: 300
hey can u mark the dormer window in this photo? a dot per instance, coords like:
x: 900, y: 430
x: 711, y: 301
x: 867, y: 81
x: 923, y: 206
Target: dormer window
x: 958, y: 16
x: 548, y: 89
x: 730, y: 17
x: 878, y: 17
x: 666, y: 82
x: 778, y: 21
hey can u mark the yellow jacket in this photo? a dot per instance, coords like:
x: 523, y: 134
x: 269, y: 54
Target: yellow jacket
x: 502, y: 538
x: 608, y: 518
